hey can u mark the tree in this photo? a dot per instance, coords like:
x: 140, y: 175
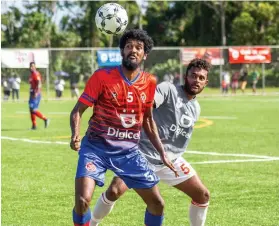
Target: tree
x: 257, y: 24
x: 10, y: 27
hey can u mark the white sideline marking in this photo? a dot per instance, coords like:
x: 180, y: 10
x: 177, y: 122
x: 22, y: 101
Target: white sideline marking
x: 224, y: 154
x: 239, y: 100
x: 51, y: 113
x: 33, y: 141
x: 235, y: 161
x: 219, y: 117
x: 257, y: 158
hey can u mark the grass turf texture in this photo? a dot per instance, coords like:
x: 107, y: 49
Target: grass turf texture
x: 38, y: 179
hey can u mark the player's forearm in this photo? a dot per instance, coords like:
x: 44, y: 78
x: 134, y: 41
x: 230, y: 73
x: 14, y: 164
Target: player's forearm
x: 75, y: 119
x: 151, y: 131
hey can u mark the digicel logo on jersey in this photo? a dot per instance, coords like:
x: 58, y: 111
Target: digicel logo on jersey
x: 123, y: 135
x: 178, y: 130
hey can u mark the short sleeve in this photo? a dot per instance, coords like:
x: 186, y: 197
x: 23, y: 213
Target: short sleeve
x: 152, y: 87
x: 92, y: 90
x: 161, y: 93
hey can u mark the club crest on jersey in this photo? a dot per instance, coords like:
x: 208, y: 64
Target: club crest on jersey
x: 90, y: 166
x: 143, y: 97
x: 128, y: 120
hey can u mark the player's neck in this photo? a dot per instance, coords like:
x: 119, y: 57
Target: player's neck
x: 130, y: 74
x: 190, y: 97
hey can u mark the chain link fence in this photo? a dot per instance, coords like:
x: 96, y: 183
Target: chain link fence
x: 164, y: 62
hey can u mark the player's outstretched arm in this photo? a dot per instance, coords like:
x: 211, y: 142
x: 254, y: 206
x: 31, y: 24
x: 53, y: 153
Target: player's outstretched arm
x: 75, y: 120
x: 151, y: 131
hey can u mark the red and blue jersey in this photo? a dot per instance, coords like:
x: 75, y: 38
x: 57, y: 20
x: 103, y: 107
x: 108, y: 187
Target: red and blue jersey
x: 35, y: 80
x: 119, y: 106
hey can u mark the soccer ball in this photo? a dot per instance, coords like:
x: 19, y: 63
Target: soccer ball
x: 111, y: 18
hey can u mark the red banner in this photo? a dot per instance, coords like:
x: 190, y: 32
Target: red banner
x: 239, y: 55
x: 212, y: 55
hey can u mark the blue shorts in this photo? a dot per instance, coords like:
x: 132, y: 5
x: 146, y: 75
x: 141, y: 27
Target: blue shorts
x: 132, y: 168
x: 34, y: 102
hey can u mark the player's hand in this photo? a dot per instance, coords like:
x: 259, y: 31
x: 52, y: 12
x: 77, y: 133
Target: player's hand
x: 34, y: 95
x: 169, y: 164
x: 75, y: 142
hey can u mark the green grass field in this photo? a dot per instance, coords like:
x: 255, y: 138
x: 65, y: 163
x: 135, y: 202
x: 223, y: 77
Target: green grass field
x: 235, y: 150
x: 24, y: 91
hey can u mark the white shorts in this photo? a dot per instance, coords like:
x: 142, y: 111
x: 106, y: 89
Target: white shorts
x: 184, y: 169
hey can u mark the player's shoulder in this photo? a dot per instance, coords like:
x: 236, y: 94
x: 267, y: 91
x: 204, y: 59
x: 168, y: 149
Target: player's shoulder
x: 167, y: 87
x: 105, y: 73
x: 196, y: 106
x: 149, y: 77
x: 196, y: 102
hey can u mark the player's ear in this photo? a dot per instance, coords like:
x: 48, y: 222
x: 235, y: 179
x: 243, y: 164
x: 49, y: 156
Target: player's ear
x: 122, y: 52
x: 145, y: 56
x: 206, y: 82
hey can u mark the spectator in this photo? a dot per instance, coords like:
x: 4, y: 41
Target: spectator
x: 235, y: 78
x: 225, y: 82
x: 255, y: 77
x: 176, y: 79
x: 74, y: 90
x: 6, y: 88
x: 166, y: 78
x: 74, y: 84
x: 243, y: 78
x: 59, y: 84
x: 16, y: 86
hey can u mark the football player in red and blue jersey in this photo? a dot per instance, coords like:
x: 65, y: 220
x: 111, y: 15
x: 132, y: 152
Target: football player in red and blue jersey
x: 122, y: 99
x: 35, y: 80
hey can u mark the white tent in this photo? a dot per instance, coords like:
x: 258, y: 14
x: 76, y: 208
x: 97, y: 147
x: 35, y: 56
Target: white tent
x: 21, y: 58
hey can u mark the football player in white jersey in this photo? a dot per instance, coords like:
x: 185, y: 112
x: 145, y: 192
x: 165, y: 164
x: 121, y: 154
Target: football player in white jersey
x: 176, y: 110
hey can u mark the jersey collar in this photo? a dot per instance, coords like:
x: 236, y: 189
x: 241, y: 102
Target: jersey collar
x: 125, y: 78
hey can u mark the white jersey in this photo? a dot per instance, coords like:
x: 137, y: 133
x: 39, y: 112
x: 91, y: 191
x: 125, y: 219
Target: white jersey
x: 175, y: 117
x: 16, y: 83
x: 59, y: 84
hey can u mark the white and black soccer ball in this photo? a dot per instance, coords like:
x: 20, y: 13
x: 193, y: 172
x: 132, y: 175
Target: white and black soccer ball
x: 111, y: 18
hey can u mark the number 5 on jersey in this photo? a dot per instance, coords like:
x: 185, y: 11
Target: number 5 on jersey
x: 130, y: 97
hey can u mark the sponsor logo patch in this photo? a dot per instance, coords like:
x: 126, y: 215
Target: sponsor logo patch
x: 90, y: 167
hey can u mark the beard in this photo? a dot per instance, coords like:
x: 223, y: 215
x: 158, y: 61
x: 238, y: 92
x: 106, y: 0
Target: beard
x: 129, y: 65
x: 188, y: 89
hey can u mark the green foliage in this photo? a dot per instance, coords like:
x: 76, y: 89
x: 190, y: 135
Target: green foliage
x: 10, y: 27
x: 257, y: 24
x: 65, y: 39
x: 169, y: 23
x: 35, y: 31
x: 179, y: 23
x: 76, y: 63
x: 169, y: 67
x: 239, y: 27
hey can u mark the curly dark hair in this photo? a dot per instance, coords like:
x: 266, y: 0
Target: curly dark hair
x: 199, y: 63
x: 137, y: 34
x: 32, y: 63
